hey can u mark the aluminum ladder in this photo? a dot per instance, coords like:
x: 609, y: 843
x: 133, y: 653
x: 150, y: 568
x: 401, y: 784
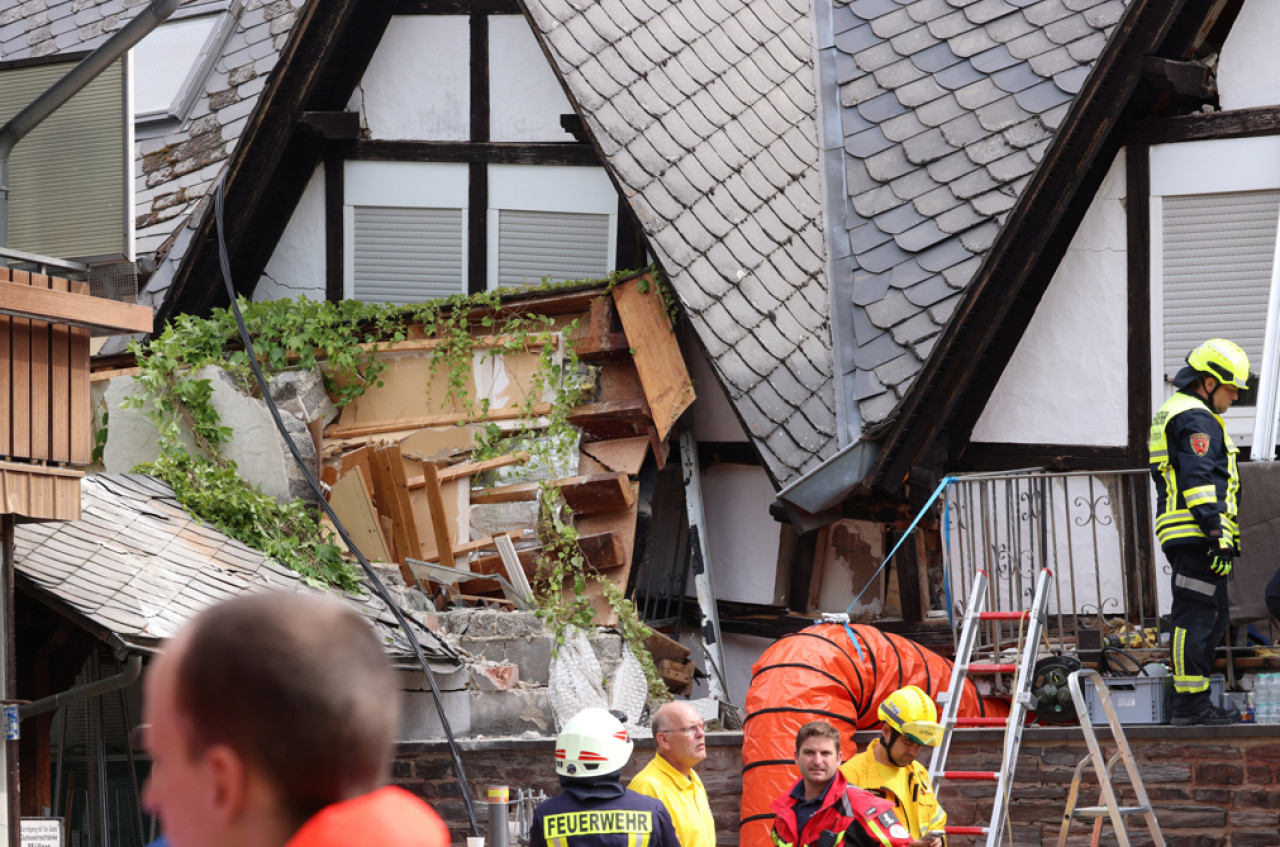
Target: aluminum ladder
x: 1034, y: 621
x: 1102, y: 767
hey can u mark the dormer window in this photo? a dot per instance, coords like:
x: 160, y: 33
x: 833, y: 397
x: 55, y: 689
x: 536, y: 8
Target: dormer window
x: 171, y: 65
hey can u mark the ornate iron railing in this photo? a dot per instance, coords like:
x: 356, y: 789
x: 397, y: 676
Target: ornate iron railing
x: 1091, y: 529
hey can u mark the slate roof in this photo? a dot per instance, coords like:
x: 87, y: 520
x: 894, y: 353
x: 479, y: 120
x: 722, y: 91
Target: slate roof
x: 705, y: 112
x: 175, y: 171
x: 945, y: 109
x: 140, y: 566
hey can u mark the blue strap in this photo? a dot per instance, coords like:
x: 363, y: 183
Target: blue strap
x: 937, y: 492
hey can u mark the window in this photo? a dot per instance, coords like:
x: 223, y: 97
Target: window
x: 171, y: 64
x: 550, y: 222
x: 406, y: 232
x: 1215, y: 208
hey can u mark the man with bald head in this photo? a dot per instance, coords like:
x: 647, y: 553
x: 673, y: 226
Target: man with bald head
x: 682, y: 743
x: 271, y: 721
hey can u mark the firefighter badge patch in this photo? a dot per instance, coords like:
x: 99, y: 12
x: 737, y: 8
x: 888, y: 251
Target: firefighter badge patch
x: 1200, y: 443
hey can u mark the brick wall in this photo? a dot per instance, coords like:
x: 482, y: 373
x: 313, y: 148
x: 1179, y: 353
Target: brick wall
x: 1212, y: 787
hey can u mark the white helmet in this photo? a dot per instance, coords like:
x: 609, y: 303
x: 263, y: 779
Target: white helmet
x: 592, y: 743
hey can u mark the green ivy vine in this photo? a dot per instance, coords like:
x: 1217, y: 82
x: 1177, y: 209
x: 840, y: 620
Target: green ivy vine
x: 346, y: 336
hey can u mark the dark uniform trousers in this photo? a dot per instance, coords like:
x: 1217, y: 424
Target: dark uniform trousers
x: 1199, y: 620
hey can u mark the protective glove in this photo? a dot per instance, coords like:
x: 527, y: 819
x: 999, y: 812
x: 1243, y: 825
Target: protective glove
x: 1220, y: 560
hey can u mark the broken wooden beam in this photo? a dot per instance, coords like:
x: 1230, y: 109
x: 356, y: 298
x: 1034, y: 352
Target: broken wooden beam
x: 399, y: 424
x: 452, y: 472
x: 666, y: 381
x: 586, y: 495
x: 435, y: 508
x: 521, y: 492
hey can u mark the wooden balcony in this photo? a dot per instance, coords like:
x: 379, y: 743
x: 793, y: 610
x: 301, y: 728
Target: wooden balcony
x: 46, y: 423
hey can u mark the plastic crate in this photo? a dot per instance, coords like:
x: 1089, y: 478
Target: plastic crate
x: 1142, y: 699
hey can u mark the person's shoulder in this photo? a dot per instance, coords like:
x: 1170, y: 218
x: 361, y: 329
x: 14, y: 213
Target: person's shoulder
x: 647, y: 777
x: 642, y: 801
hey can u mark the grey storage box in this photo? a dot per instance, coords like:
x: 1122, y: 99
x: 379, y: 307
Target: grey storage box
x: 1142, y: 699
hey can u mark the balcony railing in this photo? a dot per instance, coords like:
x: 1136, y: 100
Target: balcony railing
x: 1091, y: 529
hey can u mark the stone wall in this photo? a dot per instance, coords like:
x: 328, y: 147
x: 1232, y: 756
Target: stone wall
x: 1212, y: 787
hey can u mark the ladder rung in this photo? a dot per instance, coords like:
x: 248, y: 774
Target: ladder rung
x: 992, y: 668
x: 990, y: 776
x: 1004, y: 616
x: 965, y: 830
x: 982, y: 721
x: 1100, y: 811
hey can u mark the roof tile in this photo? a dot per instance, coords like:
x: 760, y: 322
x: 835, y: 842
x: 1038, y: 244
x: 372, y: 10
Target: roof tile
x: 872, y: 9
x: 980, y: 238
x: 960, y: 218
x: 963, y: 131
x: 925, y: 11
x: 911, y: 185
x: 866, y: 237
x: 926, y: 147
x: 958, y: 75
x: 894, y: 23
x: 992, y: 203
x: 902, y: 127
x: 857, y: 39
x: 950, y: 25
x: 1042, y: 97
x: 914, y: 329
x: 859, y: 90
x: 988, y: 10
x: 1001, y: 114
x: 1068, y: 29
x: 876, y: 57
x: 897, y: 74
x: 936, y: 58
x: 939, y: 111
x: 1048, y: 64
x: 914, y: 41
x: 1071, y: 81
x: 920, y: 237
x: 958, y: 276
x: 979, y: 94
x: 992, y: 60
x: 934, y: 203
x: 1106, y: 15
x: 971, y: 42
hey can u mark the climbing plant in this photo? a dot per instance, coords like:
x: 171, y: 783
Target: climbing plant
x: 346, y: 336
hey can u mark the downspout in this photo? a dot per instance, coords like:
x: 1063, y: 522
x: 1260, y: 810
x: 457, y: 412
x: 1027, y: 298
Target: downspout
x: 21, y: 124
x: 132, y: 670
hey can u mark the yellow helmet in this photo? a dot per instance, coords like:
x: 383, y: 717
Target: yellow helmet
x: 1223, y: 360
x: 911, y: 712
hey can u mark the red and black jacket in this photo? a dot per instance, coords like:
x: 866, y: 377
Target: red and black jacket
x: 857, y: 818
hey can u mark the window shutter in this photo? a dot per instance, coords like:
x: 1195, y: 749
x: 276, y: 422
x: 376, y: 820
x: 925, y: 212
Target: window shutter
x: 407, y: 255
x: 1217, y: 251
x: 560, y: 245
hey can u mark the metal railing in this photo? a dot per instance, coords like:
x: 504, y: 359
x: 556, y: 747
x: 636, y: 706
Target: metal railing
x: 1092, y: 529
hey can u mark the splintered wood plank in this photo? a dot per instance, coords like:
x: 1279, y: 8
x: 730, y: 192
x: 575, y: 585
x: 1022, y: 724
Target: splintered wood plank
x: 392, y: 497
x: 353, y: 504
x: 398, y: 424
x: 465, y: 547
x: 41, y: 408
x: 439, y: 520
x: 607, y: 492
x: 621, y: 524
x: 81, y: 401
x: 666, y: 381
x: 21, y: 375
x: 359, y: 461
x: 611, y: 419
x: 621, y: 454
x: 664, y: 647
x: 60, y: 373
x: 523, y: 492
x: 452, y: 472
x: 515, y: 571
x: 77, y: 307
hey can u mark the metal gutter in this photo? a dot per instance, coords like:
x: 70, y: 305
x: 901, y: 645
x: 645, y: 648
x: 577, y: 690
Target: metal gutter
x: 21, y: 124
x: 829, y: 483
x: 130, y: 674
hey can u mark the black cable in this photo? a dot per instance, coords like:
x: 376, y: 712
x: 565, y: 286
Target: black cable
x: 378, y: 587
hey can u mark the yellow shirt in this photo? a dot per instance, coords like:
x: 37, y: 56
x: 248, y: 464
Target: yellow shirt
x: 685, y: 799
x: 917, y: 804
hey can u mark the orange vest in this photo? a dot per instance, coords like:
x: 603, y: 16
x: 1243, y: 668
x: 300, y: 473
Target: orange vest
x: 388, y: 817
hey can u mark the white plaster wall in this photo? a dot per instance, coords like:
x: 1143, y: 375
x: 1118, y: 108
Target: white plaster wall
x: 1248, y: 74
x: 713, y: 417
x: 525, y: 98
x: 740, y: 653
x: 1067, y: 382
x: 418, y: 84
x: 742, y: 538
x: 296, y: 268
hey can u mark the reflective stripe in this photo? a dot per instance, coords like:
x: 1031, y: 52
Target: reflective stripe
x: 1199, y: 586
x: 777, y: 839
x: 1190, y: 684
x: 873, y: 827
x: 1200, y: 495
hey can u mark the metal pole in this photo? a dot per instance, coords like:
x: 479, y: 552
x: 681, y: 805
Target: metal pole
x: 9, y: 833
x: 499, y: 831
x: 709, y: 633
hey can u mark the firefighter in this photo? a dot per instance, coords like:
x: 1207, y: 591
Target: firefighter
x: 823, y: 810
x: 1193, y: 463
x: 594, y: 810
x: 909, y: 720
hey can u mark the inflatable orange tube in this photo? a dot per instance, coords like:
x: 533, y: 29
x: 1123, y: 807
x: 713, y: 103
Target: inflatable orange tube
x: 816, y: 674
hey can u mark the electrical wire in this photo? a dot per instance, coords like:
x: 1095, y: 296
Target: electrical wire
x: 374, y: 581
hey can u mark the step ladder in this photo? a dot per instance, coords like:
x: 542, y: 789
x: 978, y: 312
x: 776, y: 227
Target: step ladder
x: 1033, y: 622
x: 1102, y: 767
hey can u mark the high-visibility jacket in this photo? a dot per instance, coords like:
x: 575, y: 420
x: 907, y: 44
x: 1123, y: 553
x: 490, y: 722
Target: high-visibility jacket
x: 388, y: 817
x: 908, y: 787
x: 844, y: 808
x: 628, y: 820
x: 1193, y: 463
